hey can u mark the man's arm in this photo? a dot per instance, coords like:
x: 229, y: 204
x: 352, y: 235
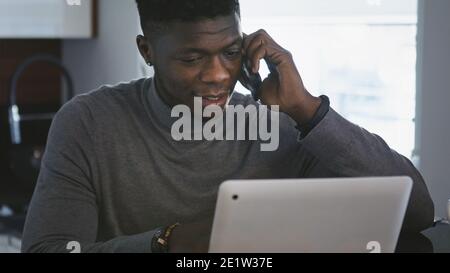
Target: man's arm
x: 64, y: 205
x: 339, y: 148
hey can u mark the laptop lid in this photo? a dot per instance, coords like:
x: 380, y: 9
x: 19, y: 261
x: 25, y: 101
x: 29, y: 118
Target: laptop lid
x: 310, y: 215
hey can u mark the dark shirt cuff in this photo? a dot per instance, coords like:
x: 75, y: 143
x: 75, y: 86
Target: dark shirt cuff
x: 306, y: 128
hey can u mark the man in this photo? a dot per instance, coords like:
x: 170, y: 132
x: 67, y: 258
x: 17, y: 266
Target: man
x: 113, y: 178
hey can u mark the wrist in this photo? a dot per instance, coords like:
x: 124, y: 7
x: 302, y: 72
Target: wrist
x: 161, y: 239
x: 305, y: 110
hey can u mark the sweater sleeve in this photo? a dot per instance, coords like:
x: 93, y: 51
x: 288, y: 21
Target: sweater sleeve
x: 339, y: 148
x: 64, y: 205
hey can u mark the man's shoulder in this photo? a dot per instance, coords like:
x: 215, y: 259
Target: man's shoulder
x: 104, y: 101
x: 107, y: 96
x: 122, y: 90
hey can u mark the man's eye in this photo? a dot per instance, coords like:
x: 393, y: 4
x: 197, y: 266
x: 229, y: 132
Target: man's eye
x: 232, y: 53
x: 191, y: 60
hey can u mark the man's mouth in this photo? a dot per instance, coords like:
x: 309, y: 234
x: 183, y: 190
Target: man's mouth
x: 220, y: 100
x: 212, y: 98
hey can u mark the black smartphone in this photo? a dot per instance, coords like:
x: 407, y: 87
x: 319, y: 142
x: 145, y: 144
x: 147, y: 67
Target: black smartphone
x: 253, y: 81
x: 250, y: 80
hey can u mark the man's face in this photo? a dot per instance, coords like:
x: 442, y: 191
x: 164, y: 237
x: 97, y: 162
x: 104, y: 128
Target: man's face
x: 198, y: 59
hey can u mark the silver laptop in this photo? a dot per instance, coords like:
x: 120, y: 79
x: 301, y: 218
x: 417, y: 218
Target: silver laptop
x: 310, y: 215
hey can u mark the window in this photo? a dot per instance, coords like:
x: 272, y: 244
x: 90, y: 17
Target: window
x: 45, y: 19
x: 361, y: 53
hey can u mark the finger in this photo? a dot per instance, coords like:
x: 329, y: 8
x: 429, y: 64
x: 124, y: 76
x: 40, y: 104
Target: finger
x: 256, y: 52
x: 244, y: 37
x: 246, y: 41
x: 255, y: 44
x: 272, y: 54
x: 249, y: 38
x: 261, y: 38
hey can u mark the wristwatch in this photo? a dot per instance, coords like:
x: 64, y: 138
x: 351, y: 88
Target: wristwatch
x: 160, y: 240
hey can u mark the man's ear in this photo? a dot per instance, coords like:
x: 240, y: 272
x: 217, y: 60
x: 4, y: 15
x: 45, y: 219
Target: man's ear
x: 145, y: 48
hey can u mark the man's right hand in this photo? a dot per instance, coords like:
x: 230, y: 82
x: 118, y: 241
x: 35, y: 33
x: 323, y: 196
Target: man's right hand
x: 191, y: 237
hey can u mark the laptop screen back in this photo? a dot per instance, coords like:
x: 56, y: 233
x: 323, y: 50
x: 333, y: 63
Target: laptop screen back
x: 310, y: 215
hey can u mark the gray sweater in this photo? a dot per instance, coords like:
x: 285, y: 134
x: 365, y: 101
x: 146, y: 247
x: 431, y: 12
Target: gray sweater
x: 112, y: 173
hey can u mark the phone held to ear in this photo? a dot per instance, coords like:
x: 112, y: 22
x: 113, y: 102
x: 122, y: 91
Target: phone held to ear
x: 253, y: 81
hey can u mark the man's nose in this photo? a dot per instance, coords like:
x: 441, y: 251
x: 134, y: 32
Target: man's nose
x: 215, y: 72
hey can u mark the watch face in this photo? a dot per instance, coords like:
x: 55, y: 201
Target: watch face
x: 158, y: 233
x: 156, y: 247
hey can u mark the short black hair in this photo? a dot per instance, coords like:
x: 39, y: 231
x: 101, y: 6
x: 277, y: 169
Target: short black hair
x: 156, y: 15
